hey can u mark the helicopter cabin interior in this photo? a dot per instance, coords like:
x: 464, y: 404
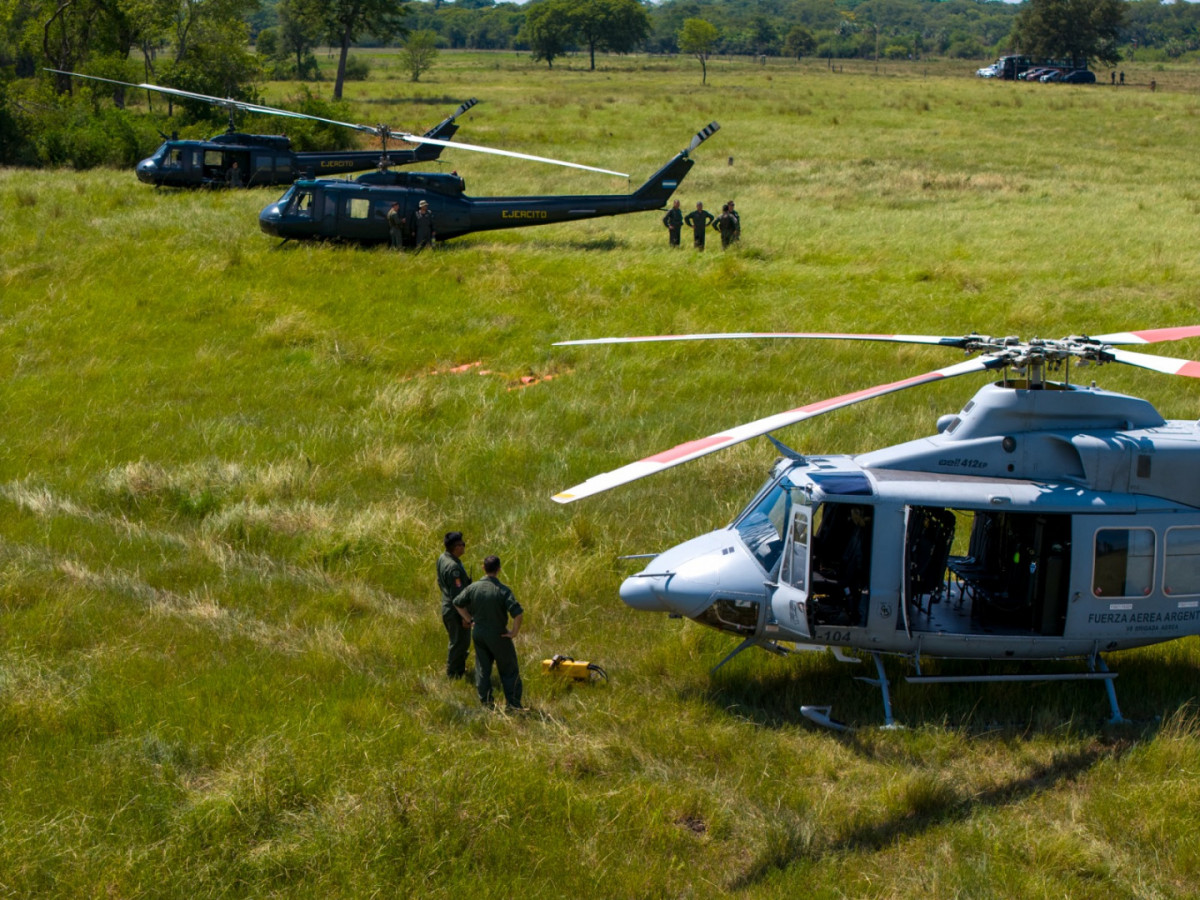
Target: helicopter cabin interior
x: 212, y: 165
x: 1010, y: 575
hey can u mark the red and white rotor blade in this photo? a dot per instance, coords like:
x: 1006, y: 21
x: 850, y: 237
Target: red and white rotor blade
x: 750, y: 335
x: 1165, y: 364
x: 695, y: 449
x: 459, y: 145
x: 1150, y: 336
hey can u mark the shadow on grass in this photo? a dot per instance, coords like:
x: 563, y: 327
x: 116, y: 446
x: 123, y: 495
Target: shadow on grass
x: 1149, y: 689
x: 444, y: 100
x: 606, y: 243
x: 925, y: 811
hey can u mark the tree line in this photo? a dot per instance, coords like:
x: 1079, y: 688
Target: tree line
x: 227, y: 47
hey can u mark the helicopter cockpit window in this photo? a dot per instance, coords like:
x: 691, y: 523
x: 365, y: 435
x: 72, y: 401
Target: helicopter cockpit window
x: 1124, y: 562
x: 173, y: 159
x: 1182, y: 574
x: 762, y: 526
x: 301, y: 204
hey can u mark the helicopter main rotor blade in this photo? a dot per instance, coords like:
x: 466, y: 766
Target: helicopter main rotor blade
x: 1165, y: 364
x: 1150, y: 336
x: 376, y: 130
x: 750, y: 335
x: 420, y: 139
x: 226, y: 102
x: 691, y: 450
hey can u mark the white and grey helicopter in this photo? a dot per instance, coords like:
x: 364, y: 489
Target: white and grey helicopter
x: 1077, y: 511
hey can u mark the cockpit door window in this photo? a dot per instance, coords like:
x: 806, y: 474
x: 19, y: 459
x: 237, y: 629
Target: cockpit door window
x: 789, y: 602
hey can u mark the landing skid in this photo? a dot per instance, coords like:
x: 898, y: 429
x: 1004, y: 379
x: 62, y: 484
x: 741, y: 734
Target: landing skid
x: 1097, y: 671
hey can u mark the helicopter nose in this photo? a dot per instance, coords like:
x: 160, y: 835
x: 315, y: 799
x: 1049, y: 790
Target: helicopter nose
x: 686, y: 579
x: 146, y: 170
x: 641, y: 592
x: 268, y: 220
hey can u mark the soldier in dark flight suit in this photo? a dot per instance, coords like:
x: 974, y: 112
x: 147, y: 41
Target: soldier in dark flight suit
x: 425, y: 230
x: 699, y: 220
x: 453, y: 580
x: 485, y: 606
x: 725, y: 225
x: 673, y: 221
x: 396, y: 226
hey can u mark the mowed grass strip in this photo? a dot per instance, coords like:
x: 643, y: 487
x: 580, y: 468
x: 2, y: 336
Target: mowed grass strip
x: 226, y: 466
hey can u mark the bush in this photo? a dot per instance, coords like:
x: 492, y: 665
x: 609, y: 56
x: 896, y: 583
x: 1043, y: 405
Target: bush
x: 357, y: 68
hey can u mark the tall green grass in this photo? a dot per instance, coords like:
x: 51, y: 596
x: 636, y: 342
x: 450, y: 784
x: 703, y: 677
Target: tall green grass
x: 225, y: 467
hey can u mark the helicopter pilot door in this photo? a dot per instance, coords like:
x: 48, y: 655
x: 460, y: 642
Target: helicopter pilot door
x: 789, y: 602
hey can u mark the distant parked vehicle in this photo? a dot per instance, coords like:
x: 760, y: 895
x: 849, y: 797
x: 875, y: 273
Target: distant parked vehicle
x: 1079, y: 76
x: 1052, y: 75
x: 1010, y: 68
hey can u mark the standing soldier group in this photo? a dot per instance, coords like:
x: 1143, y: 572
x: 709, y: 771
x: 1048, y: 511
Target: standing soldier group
x: 481, y: 609
x: 423, y: 227
x: 728, y: 224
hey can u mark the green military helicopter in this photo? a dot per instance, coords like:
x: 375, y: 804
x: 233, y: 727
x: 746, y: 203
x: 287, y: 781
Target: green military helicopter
x: 237, y: 159
x: 357, y: 210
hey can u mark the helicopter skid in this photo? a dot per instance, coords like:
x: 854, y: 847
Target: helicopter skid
x: 1097, y: 671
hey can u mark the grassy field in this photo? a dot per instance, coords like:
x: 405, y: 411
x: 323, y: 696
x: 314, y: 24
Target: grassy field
x: 225, y: 467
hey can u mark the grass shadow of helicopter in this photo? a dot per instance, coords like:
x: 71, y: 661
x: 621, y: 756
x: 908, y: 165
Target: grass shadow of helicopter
x: 926, y: 810
x: 415, y: 101
x: 1154, y: 691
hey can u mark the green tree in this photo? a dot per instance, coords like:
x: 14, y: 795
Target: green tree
x: 799, y: 42
x: 548, y: 29
x: 697, y: 38
x: 347, y: 21
x: 420, y: 50
x: 617, y: 26
x: 1070, y: 28
x: 300, y: 26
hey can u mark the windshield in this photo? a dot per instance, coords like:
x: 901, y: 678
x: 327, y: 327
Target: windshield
x: 764, y: 522
x: 297, y: 203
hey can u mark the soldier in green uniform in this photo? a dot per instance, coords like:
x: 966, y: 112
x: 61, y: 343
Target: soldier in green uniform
x: 699, y: 219
x: 485, y: 606
x: 453, y: 579
x: 725, y: 224
x: 673, y: 222
x: 396, y: 226
x: 426, y: 234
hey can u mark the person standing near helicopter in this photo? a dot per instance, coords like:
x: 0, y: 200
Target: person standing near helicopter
x: 453, y: 580
x: 725, y: 225
x: 485, y: 607
x: 424, y: 226
x: 673, y: 221
x: 699, y: 219
x: 396, y: 226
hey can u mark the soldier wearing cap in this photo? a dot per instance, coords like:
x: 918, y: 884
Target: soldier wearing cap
x: 453, y: 580
x: 425, y: 230
x: 485, y: 606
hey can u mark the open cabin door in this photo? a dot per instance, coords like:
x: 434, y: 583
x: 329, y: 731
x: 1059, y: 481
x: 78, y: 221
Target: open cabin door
x: 789, y: 602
